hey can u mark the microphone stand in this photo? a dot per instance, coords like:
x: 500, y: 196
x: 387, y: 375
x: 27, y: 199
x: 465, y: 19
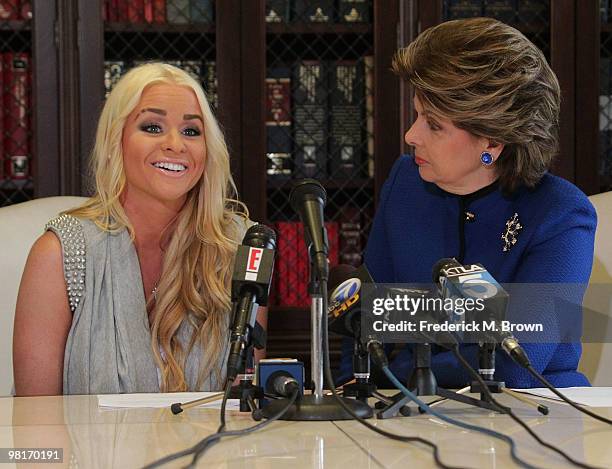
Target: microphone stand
x: 317, y: 406
x: 245, y: 390
x: 423, y: 382
x: 486, y: 370
x: 361, y: 389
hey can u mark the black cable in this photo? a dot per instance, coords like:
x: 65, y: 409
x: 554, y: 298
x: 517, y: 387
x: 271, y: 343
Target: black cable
x: 455, y: 349
x: 198, y: 449
x: 575, y: 405
x: 518, y: 355
x: 330, y: 380
x: 202, y: 446
x: 425, y: 408
x: 228, y: 390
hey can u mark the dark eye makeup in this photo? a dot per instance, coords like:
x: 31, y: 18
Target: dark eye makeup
x: 155, y: 128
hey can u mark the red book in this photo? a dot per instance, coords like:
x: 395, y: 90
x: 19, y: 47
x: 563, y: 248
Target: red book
x: 9, y: 10
x: 285, y: 260
x: 148, y: 11
x: 159, y: 11
x: 17, y: 114
x: 136, y: 11
x: 280, y: 265
x: 111, y: 10
x: 293, y: 275
x: 121, y: 10
x: 302, y: 269
x: 303, y: 263
x: 26, y: 10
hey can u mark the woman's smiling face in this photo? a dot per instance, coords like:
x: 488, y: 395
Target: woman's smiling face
x: 164, y: 147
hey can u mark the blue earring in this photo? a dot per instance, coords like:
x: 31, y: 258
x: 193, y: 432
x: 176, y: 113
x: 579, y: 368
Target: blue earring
x: 486, y: 158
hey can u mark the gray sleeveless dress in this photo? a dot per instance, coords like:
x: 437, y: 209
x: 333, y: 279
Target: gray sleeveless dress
x: 109, y: 344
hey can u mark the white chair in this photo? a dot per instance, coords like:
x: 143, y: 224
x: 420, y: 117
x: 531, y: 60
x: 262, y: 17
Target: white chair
x: 20, y: 226
x: 596, y: 361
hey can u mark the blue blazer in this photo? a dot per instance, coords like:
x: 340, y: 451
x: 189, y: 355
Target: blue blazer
x: 417, y: 223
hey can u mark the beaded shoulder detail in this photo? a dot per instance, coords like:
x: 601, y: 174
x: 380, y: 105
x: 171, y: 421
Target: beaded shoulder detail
x: 70, y: 233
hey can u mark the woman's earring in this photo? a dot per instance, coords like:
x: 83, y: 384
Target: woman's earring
x: 486, y: 158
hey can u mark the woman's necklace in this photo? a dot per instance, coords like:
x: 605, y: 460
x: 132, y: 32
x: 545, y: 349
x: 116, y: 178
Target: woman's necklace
x: 154, y: 291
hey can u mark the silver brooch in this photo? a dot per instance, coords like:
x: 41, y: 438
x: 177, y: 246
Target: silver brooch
x: 513, y: 227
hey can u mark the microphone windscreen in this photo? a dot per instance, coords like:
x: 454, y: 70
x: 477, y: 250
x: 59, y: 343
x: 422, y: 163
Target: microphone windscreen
x: 442, y: 264
x: 305, y: 189
x: 339, y: 274
x: 260, y: 236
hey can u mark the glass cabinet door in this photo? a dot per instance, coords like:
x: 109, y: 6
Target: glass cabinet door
x: 319, y: 124
x: 18, y: 160
x: 179, y: 32
x: 605, y: 99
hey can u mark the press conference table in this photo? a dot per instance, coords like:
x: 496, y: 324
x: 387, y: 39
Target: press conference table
x: 93, y: 437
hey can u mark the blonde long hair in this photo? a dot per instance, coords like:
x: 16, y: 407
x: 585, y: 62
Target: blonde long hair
x: 197, y: 263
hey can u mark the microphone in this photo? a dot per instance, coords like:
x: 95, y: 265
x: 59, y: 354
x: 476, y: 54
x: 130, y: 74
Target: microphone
x: 475, y: 282
x: 474, y: 285
x: 253, y: 267
x: 308, y: 198
x: 344, y: 309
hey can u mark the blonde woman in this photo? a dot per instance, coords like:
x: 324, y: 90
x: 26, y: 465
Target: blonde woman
x: 130, y: 292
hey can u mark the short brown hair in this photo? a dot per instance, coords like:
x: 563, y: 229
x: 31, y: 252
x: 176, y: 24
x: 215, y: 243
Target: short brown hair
x: 490, y: 80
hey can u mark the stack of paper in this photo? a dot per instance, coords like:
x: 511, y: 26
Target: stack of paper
x: 159, y: 400
x: 592, y: 397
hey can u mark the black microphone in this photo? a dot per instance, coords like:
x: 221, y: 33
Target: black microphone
x: 475, y: 286
x: 308, y: 198
x: 253, y: 267
x: 344, y: 308
x: 476, y: 283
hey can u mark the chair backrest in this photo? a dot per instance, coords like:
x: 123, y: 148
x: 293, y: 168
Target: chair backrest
x: 20, y: 226
x: 596, y: 361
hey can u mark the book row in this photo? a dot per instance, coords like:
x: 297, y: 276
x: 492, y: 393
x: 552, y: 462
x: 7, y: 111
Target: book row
x: 290, y: 288
x: 604, y: 10
x: 159, y: 11
x: 19, y: 10
x: 15, y: 115
x: 319, y: 119
x: 202, y: 71
x: 508, y: 11
x: 318, y: 11
x: 202, y: 11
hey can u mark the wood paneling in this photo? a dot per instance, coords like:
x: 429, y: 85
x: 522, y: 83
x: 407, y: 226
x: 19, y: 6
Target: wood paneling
x: 46, y: 167
x: 587, y: 93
